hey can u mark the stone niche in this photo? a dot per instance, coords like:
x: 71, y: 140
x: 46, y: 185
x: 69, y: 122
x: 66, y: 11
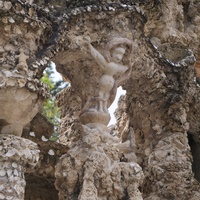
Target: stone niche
x: 77, y: 65
x: 45, y: 188
x: 94, y: 167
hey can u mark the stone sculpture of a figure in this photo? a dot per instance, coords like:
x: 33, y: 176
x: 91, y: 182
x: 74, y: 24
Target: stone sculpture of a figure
x: 114, y: 67
x: 22, y: 64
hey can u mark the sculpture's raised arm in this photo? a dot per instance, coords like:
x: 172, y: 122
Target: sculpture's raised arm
x: 99, y: 58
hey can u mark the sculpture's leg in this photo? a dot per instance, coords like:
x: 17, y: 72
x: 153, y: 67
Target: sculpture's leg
x: 105, y: 106
x: 105, y: 103
x: 16, y: 154
x: 100, y: 103
x: 100, y: 106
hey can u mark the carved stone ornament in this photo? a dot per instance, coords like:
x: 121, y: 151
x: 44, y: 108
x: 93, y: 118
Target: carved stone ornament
x: 110, y: 67
x: 96, y: 64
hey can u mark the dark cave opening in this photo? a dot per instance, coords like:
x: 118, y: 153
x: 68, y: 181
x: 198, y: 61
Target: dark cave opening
x: 39, y: 188
x: 195, y: 150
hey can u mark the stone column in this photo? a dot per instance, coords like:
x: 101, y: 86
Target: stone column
x: 98, y: 165
x: 16, y: 154
x: 159, y: 114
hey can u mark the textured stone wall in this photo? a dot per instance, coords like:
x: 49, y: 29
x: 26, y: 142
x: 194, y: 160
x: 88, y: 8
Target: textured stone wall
x: 70, y: 106
x: 93, y: 168
x: 17, y: 154
x: 162, y: 98
x: 160, y: 111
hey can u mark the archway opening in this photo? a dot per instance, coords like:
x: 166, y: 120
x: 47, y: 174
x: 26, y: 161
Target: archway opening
x: 114, y: 105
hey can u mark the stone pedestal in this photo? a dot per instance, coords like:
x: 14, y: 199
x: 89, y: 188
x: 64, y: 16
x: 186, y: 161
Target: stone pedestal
x: 94, y: 168
x: 16, y: 154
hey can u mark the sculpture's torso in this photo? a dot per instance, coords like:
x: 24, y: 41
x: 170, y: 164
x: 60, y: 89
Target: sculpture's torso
x: 107, y: 81
x: 114, y: 68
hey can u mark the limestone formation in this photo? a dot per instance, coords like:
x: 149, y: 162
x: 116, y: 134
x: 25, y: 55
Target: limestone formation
x: 158, y: 59
x: 157, y: 62
x: 21, y: 93
x: 70, y: 108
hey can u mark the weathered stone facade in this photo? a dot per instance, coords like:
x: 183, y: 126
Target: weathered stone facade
x: 17, y: 154
x: 156, y: 153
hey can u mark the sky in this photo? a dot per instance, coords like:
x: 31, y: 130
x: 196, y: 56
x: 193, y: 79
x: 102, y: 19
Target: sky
x: 114, y: 105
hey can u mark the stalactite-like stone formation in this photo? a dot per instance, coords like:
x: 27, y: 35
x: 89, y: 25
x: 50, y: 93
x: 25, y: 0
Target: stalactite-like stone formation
x: 69, y: 103
x: 22, y: 36
x: 160, y: 121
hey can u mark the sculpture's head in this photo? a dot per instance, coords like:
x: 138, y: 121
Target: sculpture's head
x: 21, y: 50
x: 118, y: 54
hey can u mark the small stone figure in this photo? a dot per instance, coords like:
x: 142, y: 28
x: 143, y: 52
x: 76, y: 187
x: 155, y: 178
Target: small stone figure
x: 114, y: 70
x: 22, y: 64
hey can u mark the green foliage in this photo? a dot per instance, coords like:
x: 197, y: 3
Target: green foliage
x: 50, y: 109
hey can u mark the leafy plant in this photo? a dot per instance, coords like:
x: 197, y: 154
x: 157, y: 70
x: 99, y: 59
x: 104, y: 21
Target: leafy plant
x: 50, y: 109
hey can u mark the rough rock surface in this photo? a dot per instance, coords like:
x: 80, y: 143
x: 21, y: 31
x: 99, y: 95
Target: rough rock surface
x: 162, y: 101
x: 42, y: 177
x: 160, y: 93
x: 70, y: 106
x: 21, y: 94
x: 92, y: 168
x: 17, y: 154
x: 97, y: 166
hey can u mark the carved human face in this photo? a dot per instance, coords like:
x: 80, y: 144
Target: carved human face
x: 117, y: 54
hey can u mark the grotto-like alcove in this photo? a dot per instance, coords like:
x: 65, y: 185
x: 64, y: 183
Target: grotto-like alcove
x: 43, y: 188
x: 195, y: 150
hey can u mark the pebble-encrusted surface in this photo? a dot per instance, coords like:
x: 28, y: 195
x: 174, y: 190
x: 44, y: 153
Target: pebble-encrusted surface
x: 16, y: 154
